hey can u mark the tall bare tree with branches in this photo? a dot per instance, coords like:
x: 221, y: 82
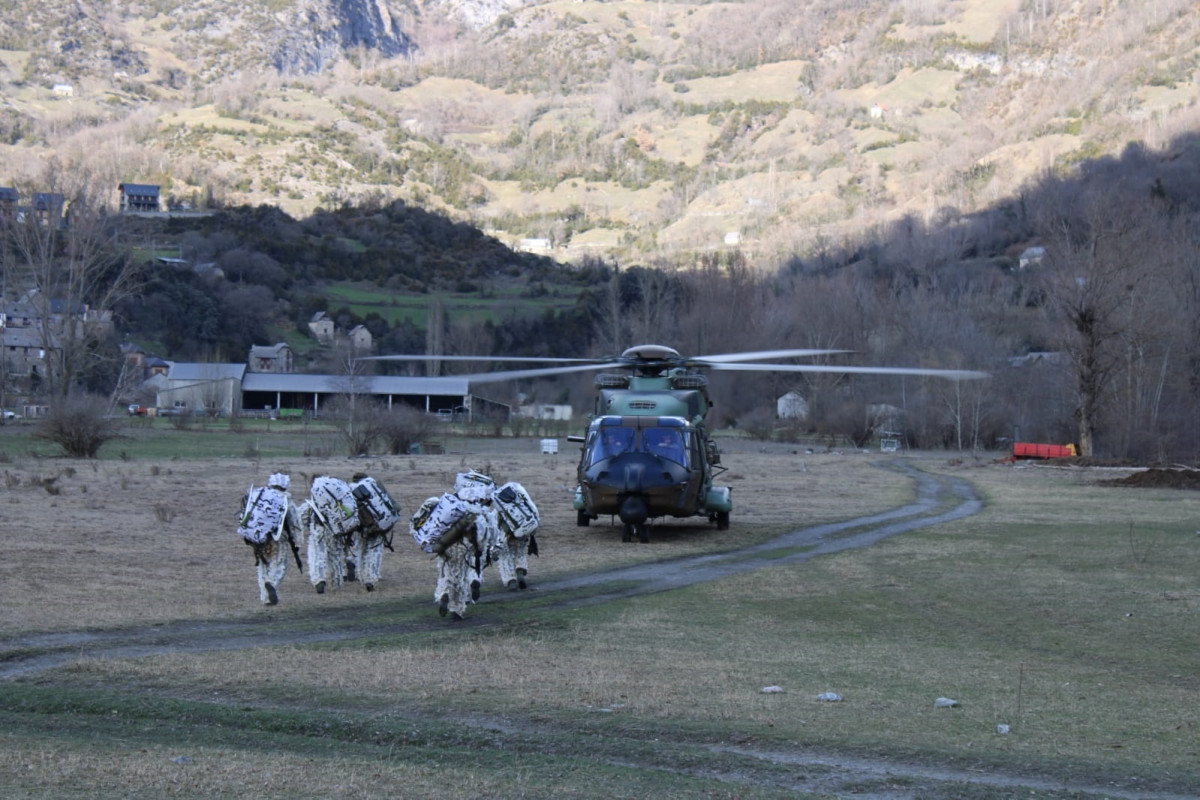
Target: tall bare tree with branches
x: 67, y: 253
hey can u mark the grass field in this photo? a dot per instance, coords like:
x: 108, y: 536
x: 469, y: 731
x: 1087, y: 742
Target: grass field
x: 1065, y: 610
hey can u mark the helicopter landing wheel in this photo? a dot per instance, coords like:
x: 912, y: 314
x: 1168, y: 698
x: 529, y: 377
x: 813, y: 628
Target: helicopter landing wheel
x: 643, y: 532
x: 626, y: 533
x: 582, y: 519
x: 722, y: 520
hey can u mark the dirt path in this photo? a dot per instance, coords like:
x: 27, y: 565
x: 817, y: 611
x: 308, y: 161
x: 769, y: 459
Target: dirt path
x: 939, y: 499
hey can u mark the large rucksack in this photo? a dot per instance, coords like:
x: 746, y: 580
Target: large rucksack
x: 334, y: 503
x: 473, y: 486
x: 518, y: 516
x: 437, y: 516
x: 264, y: 514
x: 376, y: 511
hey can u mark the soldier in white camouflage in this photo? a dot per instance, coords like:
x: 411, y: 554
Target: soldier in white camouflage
x: 377, y: 514
x: 518, y: 520
x: 328, y: 533
x: 460, y: 528
x: 272, y: 545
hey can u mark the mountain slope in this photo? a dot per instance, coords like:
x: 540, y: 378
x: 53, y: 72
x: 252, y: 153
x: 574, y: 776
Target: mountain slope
x: 628, y: 129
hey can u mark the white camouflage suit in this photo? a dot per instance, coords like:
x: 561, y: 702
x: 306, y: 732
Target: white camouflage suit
x: 518, y: 520
x: 326, y: 547
x: 364, y: 556
x: 324, y: 551
x: 459, y: 565
x: 272, y: 554
x: 364, y: 551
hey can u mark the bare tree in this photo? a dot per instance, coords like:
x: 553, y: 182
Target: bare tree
x: 1097, y: 279
x: 353, y: 411
x: 67, y: 252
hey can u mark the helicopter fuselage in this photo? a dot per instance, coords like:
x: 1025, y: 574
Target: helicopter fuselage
x: 641, y: 467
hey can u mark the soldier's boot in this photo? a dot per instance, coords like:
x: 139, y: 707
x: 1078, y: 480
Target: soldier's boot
x: 474, y: 590
x: 272, y: 596
x: 370, y: 587
x: 512, y: 585
x: 443, y: 605
x: 521, y: 573
x: 320, y: 587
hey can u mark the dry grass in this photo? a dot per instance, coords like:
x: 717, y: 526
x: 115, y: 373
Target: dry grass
x: 133, y: 542
x: 1042, y: 612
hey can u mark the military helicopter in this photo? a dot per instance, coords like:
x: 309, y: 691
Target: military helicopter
x: 647, y: 453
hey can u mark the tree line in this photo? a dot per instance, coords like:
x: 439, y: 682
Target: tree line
x: 1093, y: 338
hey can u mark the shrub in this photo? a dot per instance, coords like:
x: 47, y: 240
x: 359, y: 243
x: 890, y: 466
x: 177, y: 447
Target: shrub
x: 80, y: 425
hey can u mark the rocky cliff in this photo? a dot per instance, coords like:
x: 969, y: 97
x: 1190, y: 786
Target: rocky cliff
x: 87, y: 38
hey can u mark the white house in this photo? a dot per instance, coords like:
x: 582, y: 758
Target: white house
x: 1031, y: 256
x: 791, y: 405
x: 361, y: 339
x: 322, y: 327
x: 545, y: 411
x: 200, y: 388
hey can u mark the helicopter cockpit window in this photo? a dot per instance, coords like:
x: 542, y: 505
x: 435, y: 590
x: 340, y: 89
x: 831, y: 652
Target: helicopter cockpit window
x: 665, y: 443
x: 610, y: 442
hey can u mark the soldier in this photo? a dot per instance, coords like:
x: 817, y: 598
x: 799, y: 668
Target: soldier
x: 460, y: 528
x: 270, y: 523
x: 330, y: 518
x: 377, y: 514
x: 518, y: 519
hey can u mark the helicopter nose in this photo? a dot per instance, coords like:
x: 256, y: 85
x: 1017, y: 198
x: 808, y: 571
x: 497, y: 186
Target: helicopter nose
x: 633, y: 510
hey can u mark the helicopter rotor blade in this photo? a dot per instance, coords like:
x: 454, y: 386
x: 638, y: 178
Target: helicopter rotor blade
x: 763, y: 354
x: 656, y: 357
x: 519, y: 374
x: 949, y: 374
x: 517, y: 359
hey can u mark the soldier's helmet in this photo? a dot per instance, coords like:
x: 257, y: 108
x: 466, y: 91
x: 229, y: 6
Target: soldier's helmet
x: 279, y: 480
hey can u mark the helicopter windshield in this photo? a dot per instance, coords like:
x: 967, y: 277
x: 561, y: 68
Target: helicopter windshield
x: 665, y: 443
x: 610, y: 442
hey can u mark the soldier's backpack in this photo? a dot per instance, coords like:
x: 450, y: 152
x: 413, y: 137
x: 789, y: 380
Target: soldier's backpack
x: 436, y: 517
x: 518, y: 516
x: 263, y: 515
x: 334, y: 503
x: 376, y: 511
x: 473, y: 485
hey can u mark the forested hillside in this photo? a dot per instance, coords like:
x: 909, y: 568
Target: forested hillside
x: 251, y: 276
x: 1081, y: 295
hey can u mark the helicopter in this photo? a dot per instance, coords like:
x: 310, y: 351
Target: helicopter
x: 647, y: 453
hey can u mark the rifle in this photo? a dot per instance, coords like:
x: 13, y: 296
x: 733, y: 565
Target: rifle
x: 285, y: 528
x: 295, y: 550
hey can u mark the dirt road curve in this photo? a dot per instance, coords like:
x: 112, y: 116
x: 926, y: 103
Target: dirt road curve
x: 939, y: 499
